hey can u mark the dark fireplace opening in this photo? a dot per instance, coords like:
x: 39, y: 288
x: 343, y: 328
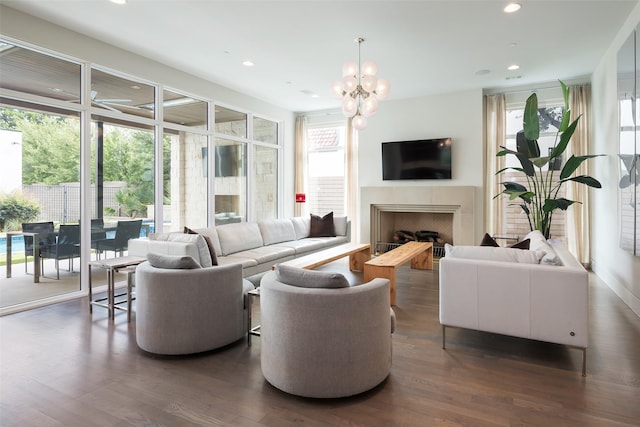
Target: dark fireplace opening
x: 398, y: 228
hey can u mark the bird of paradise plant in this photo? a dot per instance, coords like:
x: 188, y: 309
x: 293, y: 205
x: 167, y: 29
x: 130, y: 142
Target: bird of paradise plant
x: 539, y: 199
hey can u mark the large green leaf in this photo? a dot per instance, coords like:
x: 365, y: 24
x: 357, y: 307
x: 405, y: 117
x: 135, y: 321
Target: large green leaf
x: 560, y: 203
x: 564, y: 139
x: 511, y: 185
x: 530, y: 121
x: 573, y: 163
x: 530, y: 148
x: 509, y: 168
x: 585, y: 179
x: 527, y: 166
x: 540, y: 161
x: 566, y: 117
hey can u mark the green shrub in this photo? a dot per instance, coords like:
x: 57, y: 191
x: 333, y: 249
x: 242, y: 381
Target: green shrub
x: 16, y: 209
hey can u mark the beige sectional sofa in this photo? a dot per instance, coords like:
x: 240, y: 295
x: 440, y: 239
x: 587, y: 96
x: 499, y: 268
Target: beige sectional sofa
x: 540, y: 294
x: 257, y: 246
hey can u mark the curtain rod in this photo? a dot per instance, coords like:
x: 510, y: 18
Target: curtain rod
x: 573, y: 82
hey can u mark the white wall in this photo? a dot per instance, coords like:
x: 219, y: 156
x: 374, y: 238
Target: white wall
x: 457, y: 115
x: 10, y: 161
x: 28, y: 29
x: 618, y: 268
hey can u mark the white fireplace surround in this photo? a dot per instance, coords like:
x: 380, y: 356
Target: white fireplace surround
x: 457, y: 200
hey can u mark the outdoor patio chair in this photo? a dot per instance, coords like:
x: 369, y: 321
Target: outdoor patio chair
x: 47, y: 238
x: 125, y: 230
x: 66, y: 247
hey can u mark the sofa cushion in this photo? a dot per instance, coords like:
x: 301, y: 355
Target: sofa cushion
x: 302, y: 226
x: 207, y: 239
x: 340, y: 225
x: 198, y: 240
x: 238, y: 237
x: 212, y: 234
x: 310, y: 278
x: 487, y: 253
x: 172, y: 261
x: 276, y: 231
x: 322, y: 226
x: 539, y: 243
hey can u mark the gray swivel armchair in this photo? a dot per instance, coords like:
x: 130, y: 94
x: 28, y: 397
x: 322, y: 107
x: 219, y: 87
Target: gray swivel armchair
x: 184, y: 311
x: 326, y: 340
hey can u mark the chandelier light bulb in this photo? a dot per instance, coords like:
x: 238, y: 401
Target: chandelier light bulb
x: 349, y: 106
x: 369, y: 68
x: 336, y: 89
x: 369, y: 106
x: 349, y: 69
x: 349, y: 83
x: 359, y: 122
x: 382, y: 89
x: 369, y: 82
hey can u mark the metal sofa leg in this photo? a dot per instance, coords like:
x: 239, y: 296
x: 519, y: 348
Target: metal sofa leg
x: 443, y: 337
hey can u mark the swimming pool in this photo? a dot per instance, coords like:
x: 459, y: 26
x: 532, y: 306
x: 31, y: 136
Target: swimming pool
x: 17, y: 242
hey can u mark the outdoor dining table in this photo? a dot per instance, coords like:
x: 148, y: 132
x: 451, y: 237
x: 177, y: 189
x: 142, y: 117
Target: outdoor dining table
x: 36, y: 251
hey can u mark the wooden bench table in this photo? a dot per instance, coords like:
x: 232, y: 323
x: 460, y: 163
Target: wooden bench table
x: 420, y: 254
x: 358, y: 253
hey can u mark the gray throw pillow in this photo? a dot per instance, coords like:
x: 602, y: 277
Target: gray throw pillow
x: 309, y: 278
x: 172, y: 261
x: 212, y: 251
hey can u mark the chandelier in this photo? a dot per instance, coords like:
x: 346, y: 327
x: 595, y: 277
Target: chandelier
x: 360, y: 90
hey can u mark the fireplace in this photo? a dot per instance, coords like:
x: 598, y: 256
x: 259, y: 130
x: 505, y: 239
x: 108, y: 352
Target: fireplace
x: 448, y: 210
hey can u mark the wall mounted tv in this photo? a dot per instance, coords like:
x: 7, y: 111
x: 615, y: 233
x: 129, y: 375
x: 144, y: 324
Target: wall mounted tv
x: 419, y: 159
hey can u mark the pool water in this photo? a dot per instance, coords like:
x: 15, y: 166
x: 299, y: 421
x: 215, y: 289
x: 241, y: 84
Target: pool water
x: 17, y: 242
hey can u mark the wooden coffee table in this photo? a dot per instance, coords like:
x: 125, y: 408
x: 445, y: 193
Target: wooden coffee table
x: 358, y: 253
x: 385, y: 265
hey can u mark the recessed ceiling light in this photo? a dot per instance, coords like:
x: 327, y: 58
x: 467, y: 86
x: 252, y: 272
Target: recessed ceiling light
x: 512, y: 7
x: 248, y: 63
x: 118, y: 1
x: 513, y: 67
x: 310, y: 93
x: 482, y: 72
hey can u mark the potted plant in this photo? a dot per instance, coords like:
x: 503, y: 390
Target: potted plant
x: 540, y: 199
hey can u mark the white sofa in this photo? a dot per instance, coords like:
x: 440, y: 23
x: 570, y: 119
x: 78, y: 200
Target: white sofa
x: 257, y: 246
x: 527, y: 300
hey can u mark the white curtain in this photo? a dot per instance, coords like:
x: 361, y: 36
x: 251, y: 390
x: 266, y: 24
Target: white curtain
x: 578, y: 214
x: 495, y: 135
x: 300, y: 162
x: 351, y: 172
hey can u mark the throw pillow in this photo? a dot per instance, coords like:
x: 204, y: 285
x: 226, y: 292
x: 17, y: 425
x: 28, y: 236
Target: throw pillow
x: 487, y: 240
x: 521, y: 245
x: 310, y: 278
x: 322, y: 226
x: 212, y: 251
x: 172, y: 261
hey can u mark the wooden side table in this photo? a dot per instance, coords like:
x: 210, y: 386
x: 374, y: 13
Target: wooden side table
x: 114, y: 265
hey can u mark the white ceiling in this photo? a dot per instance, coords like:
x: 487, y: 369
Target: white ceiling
x: 421, y: 47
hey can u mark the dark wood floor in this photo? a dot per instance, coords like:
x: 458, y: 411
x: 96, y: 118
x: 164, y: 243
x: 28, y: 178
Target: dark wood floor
x: 62, y: 366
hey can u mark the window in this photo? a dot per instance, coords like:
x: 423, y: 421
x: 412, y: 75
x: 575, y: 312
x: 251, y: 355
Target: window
x: 326, y: 169
x: 230, y: 167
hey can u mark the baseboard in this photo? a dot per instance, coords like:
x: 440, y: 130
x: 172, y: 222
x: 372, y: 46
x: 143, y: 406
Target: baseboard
x: 618, y: 288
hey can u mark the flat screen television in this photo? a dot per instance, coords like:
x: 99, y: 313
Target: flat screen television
x: 419, y: 159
